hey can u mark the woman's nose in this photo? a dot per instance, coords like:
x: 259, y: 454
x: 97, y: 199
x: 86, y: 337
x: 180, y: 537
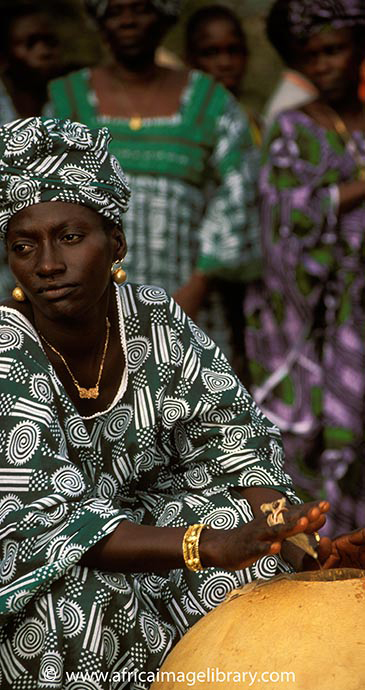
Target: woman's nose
x: 50, y: 260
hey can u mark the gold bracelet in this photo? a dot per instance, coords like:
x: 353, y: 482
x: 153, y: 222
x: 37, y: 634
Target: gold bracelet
x: 190, y: 547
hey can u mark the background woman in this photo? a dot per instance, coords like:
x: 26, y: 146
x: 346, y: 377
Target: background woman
x: 122, y: 426
x: 187, y: 150
x: 306, y: 338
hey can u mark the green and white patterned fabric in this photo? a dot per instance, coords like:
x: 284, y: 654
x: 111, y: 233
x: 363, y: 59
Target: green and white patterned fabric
x: 48, y: 159
x: 180, y: 437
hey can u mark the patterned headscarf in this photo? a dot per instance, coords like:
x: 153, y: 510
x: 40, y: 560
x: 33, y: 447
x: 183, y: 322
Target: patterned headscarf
x: 44, y: 159
x: 306, y: 17
x: 171, y: 8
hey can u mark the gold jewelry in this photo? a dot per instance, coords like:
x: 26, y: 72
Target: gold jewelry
x: 346, y: 136
x: 118, y: 273
x: 275, y: 511
x: 87, y: 393
x: 135, y: 122
x: 190, y: 547
x: 317, y: 537
x: 18, y: 294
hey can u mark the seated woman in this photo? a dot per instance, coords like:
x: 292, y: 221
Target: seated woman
x: 305, y: 337
x: 125, y: 436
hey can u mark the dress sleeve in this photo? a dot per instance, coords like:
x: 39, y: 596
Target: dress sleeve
x: 298, y: 191
x: 215, y: 434
x: 50, y: 513
x: 229, y: 231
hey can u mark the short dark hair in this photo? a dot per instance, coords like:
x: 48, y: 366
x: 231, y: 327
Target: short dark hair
x: 207, y: 14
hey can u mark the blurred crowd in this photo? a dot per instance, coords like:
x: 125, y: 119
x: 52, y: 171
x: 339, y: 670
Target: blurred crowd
x: 253, y: 221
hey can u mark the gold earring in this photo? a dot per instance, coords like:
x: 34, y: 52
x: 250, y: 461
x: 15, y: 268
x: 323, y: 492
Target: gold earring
x: 18, y: 294
x: 118, y: 273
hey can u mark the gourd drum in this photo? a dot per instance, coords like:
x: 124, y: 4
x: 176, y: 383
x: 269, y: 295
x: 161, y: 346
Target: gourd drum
x: 304, y: 631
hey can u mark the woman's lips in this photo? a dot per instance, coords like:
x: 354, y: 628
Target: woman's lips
x: 56, y: 291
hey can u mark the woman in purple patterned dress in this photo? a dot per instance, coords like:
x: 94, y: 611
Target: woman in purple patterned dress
x: 306, y: 340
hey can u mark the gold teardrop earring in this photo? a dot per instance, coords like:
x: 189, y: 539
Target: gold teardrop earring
x: 18, y: 294
x: 118, y: 273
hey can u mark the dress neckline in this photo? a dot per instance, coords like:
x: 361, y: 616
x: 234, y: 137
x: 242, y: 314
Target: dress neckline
x: 176, y: 117
x: 125, y: 376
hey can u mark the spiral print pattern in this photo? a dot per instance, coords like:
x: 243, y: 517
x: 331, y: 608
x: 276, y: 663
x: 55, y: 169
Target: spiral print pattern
x: 95, y: 195
x: 24, y: 439
x: 235, y: 437
x: 72, y: 617
x: 8, y: 504
x: 77, y: 134
x: 22, y: 190
x: 116, y: 582
x: 29, y: 638
x: 76, y: 432
x: 266, y: 567
x: 201, y: 337
x: 150, y: 294
x: 152, y: 632
x: 223, y: 416
x: 111, y: 645
x: 138, y: 350
x: 256, y: 476
x: 20, y: 141
x: 198, y: 477
x: 10, y: 338
x: 19, y: 600
x: 215, y: 588
x: 222, y: 518
x: 118, y: 422
x: 68, y: 481
x: 40, y: 389
x: 215, y: 382
x: 174, y: 409
x: 183, y: 445
x: 76, y: 176
x: 169, y: 514
x: 145, y: 461
x: 8, y: 562
x: 51, y: 670
x: 107, y: 486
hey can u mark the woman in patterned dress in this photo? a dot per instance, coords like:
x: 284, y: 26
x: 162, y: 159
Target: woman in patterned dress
x: 122, y: 424
x: 306, y: 334
x: 187, y: 151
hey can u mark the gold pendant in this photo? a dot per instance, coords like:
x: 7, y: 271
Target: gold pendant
x: 135, y: 122
x: 88, y: 392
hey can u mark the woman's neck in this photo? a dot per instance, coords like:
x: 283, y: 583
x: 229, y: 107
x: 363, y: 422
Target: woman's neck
x: 27, y: 101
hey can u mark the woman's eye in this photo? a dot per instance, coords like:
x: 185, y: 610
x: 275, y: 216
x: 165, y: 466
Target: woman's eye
x: 71, y: 236
x: 21, y: 248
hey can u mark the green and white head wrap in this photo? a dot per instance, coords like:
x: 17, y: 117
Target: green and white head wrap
x: 171, y: 8
x: 44, y: 159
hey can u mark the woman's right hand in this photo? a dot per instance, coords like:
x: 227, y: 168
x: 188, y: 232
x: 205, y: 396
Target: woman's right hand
x: 240, y: 547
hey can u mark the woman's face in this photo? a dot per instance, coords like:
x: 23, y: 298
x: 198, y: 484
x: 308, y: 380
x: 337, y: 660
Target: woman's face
x: 132, y: 28
x: 330, y: 60
x: 219, y: 52
x: 33, y: 48
x: 60, y: 254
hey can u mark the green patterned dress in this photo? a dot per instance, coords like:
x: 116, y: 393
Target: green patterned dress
x: 192, y: 177
x: 181, y: 435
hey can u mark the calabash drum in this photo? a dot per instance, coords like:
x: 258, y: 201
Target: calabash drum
x: 304, y: 631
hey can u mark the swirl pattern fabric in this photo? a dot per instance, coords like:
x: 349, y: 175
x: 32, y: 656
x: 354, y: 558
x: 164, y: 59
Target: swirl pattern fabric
x: 48, y: 159
x: 171, y: 451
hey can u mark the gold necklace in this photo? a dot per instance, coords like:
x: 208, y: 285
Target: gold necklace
x: 87, y: 393
x: 344, y: 134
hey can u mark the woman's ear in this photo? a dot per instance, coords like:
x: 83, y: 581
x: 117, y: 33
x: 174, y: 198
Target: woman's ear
x: 120, y: 242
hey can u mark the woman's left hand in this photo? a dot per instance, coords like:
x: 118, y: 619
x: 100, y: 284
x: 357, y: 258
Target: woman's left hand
x: 346, y: 551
